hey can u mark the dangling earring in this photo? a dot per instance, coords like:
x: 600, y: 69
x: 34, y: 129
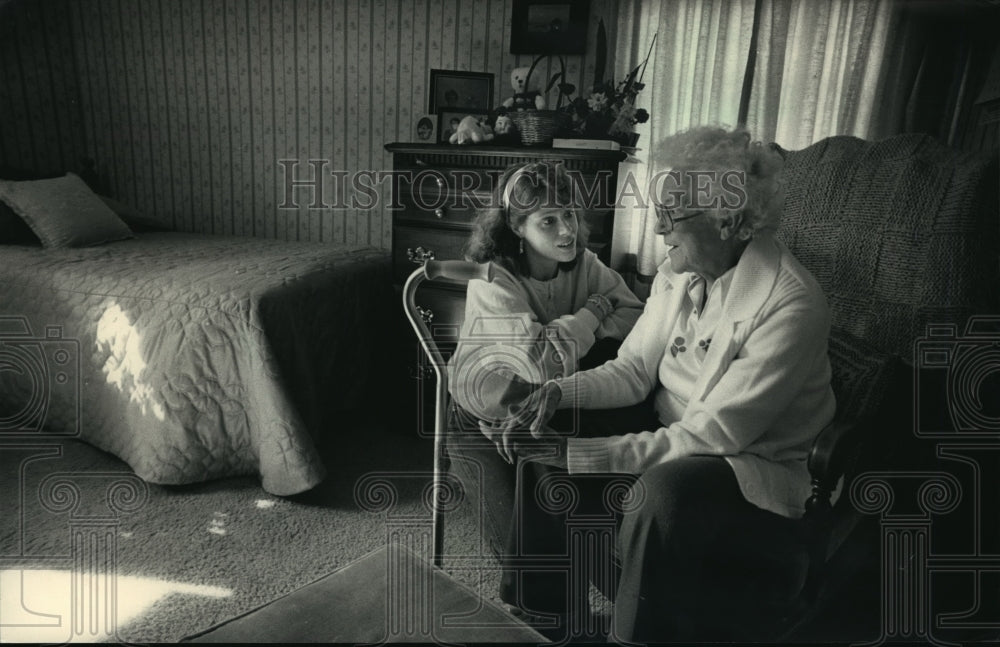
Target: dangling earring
x: 520, y: 247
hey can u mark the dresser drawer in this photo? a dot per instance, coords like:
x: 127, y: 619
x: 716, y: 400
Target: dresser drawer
x: 451, y: 190
x: 441, y: 208
x: 426, y: 178
x: 447, y: 305
x: 444, y: 243
x: 444, y: 312
x: 461, y: 209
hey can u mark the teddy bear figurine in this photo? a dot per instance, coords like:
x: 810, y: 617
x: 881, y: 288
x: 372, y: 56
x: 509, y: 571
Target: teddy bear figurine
x: 471, y: 130
x: 523, y: 99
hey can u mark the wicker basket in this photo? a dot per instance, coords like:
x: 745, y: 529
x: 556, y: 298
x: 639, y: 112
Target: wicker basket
x: 538, y: 127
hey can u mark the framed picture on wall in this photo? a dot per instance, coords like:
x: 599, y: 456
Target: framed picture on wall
x: 453, y: 90
x: 549, y: 26
x: 448, y: 121
x: 425, y: 129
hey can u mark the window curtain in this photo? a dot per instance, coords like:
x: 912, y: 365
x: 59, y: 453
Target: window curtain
x: 693, y: 77
x: 818, y: 71
x: 819, y: 67
x: 941, y: 71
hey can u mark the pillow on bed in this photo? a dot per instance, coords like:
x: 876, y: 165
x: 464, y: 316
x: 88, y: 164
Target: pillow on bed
x: 64, y: 212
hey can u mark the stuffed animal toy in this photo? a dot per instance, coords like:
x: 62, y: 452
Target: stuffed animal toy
x: 523, y: 98
x: 471, y: 130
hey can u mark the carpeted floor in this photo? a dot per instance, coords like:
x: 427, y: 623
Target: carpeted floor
x: 193, y: 556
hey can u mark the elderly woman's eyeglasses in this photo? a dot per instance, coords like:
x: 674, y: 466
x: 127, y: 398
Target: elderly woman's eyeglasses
x: 668, y: 218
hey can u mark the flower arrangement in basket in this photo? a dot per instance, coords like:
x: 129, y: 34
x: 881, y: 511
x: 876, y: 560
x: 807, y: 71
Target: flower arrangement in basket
x: 609, y: 110
x: 527, y: 108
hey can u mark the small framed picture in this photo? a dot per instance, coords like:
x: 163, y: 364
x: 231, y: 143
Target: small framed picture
x: 549, y: 26
x: 425, y: 130
x: 448, y: 121
x: 453, y: 90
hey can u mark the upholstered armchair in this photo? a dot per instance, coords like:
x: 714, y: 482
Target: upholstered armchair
x: 902, y: 234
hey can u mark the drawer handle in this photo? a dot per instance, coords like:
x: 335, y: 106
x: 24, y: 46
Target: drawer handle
x: 426, y: 314
x: 419, y: 256
x: 439, y: 212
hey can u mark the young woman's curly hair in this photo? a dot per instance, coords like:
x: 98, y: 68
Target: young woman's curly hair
x: 716, y: 149
x: 520, y: 191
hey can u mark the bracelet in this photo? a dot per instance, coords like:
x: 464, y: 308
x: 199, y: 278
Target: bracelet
x: 601, y: 302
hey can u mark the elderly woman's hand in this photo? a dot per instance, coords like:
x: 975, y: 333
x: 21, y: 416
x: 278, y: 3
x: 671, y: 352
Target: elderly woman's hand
x: 537, y: 409
x: 530, y: 415
x: 501, y: 434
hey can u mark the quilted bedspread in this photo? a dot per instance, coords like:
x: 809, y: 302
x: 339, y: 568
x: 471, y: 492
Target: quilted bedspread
x: 189, y: 356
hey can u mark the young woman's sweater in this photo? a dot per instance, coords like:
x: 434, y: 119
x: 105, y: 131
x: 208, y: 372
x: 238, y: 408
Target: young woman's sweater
x: 763, y: 393
x: 520, y: 332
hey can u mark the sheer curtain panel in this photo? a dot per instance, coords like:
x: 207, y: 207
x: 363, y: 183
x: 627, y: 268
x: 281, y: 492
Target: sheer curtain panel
x: 818, y: 72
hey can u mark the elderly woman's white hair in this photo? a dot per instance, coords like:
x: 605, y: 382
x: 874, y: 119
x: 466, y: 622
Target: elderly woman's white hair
x: 716, y: 149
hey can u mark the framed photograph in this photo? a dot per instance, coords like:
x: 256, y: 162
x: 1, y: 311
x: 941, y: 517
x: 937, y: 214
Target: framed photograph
x: 453, y: 90
x: 549, y: 26
x: 425, y: 129
x: 448, y: 121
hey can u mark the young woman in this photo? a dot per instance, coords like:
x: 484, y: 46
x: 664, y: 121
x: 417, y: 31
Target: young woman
x: 551, y: 309
x: 551, y: 300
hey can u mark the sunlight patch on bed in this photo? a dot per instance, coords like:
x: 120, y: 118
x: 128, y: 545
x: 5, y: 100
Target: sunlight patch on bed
x: 36, y: 606
x: 125, y: 365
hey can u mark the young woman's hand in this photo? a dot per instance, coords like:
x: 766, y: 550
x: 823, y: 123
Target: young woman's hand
x: 504, y: 436
x: 600, y: 305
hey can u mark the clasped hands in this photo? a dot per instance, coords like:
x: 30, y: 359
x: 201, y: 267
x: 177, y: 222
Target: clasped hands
x: 525, y: 425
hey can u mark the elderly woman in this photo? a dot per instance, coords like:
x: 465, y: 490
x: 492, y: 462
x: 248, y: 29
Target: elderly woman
x: 732, y: 352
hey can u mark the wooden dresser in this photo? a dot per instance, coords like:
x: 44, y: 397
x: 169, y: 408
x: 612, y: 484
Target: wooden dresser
x: 436, y: 192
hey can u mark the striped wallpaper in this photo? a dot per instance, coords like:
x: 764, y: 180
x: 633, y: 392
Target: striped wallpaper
x: 188, y: 105
x: 41, y: 124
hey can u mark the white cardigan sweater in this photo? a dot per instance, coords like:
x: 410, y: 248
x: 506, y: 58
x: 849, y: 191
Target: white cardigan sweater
x: 763, y: 394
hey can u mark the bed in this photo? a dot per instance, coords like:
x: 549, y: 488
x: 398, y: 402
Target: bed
x: 192, y: 357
